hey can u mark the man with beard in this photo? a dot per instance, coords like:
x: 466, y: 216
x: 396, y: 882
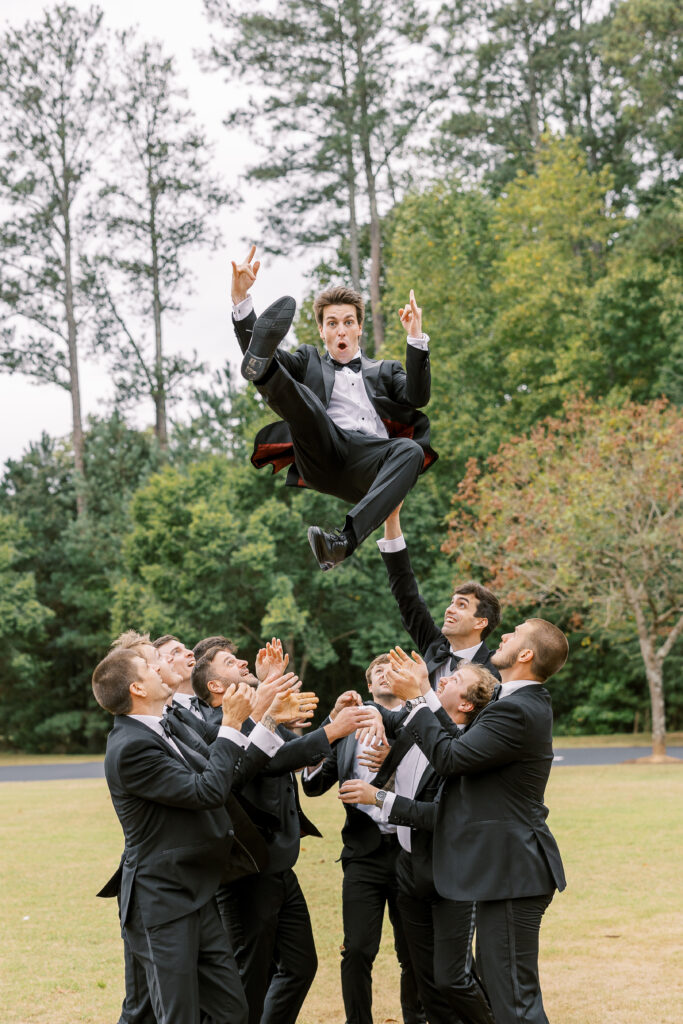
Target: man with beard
x: 474, y: 612
x: 266, y: 913
x: 491, y: 840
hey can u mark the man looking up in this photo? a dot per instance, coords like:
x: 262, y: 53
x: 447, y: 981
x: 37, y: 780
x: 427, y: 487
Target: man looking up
x: 168, y: 913
x: 474, y: 612
x: 368, y: 860
x: 266, y: 913
x: 438, y: 930
x: 491, y: 840
x: 351, y: 423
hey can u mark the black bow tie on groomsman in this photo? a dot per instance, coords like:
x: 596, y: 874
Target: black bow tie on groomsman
x: 353, y: 364
x: 196, y: 707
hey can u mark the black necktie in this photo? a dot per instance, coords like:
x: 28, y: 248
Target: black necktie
x: 353, y: 364
x: 496, y: 692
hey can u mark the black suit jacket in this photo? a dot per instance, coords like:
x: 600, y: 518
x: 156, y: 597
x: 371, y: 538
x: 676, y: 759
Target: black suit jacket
x: 417, y: 619
x: 491, y: 840
x: 395, y: 393
x: 272, y: 798
x: 176, y: 828
x: 360, y: 834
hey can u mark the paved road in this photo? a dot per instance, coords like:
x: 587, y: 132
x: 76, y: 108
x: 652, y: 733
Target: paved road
x: 572, y: 756
x: 565, y: 757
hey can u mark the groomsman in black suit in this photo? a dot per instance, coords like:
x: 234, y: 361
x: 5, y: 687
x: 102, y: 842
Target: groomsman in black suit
x: 266, y: 913
x: 439, y: 931
x: 491, y: 841
x: 164, y: 797
x: 472, y: 615
x: 368, y: 859
x: 351, y: 423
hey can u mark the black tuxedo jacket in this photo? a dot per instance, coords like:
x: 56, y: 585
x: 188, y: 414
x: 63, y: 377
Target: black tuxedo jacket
x: 271, y: 799
x: 491, y: 840
x: 177, y: 830
x: 395, y: 393
x: 360, y: 834
x: 417, y: 619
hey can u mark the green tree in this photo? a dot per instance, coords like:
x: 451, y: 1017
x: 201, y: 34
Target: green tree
x: 584, y: 514
x: 53, y: 125
x: 74, y: 562
x: 161, y: 201
x: 343, y: 90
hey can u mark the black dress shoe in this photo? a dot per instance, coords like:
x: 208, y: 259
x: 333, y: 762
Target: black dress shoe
x: 269, y: 330
x: 329, y: 548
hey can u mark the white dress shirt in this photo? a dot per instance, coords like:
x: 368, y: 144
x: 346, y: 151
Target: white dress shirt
x: 185, y: 701
x: 261, y: 737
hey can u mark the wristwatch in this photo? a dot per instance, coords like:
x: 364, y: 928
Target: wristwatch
x: 414, y: 702
x: 380, y: 797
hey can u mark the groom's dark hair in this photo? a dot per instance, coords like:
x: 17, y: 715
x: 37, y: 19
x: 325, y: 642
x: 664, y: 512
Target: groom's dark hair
x: 338, y: 295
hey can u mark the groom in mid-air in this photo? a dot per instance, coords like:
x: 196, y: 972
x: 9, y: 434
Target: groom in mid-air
x: 349, y: 425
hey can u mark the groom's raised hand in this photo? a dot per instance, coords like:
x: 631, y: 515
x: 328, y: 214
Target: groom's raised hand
x: 243, y: 276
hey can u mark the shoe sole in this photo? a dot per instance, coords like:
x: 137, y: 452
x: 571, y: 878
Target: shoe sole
x: 314, y: 541
x: 275, y: 320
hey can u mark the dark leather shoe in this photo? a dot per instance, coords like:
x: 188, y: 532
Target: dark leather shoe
x: 269, y: 330
x: 329, y: 548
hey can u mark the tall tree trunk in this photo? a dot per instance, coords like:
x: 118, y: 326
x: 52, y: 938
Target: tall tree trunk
x: 375, y: 228
x: 354, y: 250
x: 160, y: 384
x: 72, y: 346
x: 653, y: 669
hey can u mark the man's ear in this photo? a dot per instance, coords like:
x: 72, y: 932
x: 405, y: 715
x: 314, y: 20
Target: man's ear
x: 466, y: 705
x: 526, y: 655
x: 481, y: 623
x: 137, y: 689
x: 216, y: 686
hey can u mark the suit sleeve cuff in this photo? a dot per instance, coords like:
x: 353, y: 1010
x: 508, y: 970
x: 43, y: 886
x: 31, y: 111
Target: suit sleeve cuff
x: 387, y: 806
x: 243, y: 308
x: 227, y: 732
x: 389, y: 546
x: 421, y: 342
x: 267, y: 741
x: 310, y: 773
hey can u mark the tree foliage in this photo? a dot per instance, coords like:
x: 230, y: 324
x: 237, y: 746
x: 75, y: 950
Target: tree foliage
x: 585, y: 513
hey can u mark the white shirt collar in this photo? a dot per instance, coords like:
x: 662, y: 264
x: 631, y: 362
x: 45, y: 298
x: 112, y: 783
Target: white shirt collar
x: 152, y: 721
x: 507, y: 688
x: 183, y: 698
x: 468, y: 653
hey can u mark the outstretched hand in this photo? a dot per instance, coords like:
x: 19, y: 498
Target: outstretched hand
x: 407, y: 676
x: 243, y: 276
x: 270, y: 661
x: 411, y: 317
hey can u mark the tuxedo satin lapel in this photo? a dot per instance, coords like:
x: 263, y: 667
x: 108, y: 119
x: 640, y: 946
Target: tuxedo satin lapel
x: 425, y: 779
x: 345, y: 757
x: 481, y: 656
x: 370, y: 368
x: 327, y: 370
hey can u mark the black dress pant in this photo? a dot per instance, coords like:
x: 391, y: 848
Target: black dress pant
x: 268, y: 922
x: 440, y: 934
x: 507, y: 953
x: 373, y: 473
x: 369, y: 886
x: 189, y: 968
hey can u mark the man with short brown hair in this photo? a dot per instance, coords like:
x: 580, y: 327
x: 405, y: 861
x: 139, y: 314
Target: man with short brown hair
x: 351, y: 423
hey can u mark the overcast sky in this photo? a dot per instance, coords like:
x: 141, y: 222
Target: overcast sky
x: 29, y: 409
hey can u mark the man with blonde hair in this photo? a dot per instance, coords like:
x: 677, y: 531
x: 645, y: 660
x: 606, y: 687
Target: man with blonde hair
x: 349, y: 425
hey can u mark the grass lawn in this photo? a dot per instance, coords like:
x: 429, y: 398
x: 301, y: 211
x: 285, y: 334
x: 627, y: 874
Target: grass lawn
x: 611, y: 944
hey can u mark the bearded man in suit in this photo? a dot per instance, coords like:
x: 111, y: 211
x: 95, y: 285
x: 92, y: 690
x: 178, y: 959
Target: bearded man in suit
x: 491, y: 840
x: 349, y: 425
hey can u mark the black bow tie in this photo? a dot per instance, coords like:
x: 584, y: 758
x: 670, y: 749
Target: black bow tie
x: 353, y: 364
x: 455, y: 661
